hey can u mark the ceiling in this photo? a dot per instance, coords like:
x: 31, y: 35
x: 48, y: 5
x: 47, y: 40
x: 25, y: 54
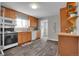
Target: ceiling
x: 44, y: 9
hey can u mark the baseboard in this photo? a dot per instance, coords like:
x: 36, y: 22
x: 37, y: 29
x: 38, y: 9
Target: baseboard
x: 52, y: 39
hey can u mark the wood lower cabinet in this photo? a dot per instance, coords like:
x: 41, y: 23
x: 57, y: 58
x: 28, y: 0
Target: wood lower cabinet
x: 24, y: 37
x: 28, y: 36
x: 37, y: 35
x: 20, y: 39
x: 68, y: 45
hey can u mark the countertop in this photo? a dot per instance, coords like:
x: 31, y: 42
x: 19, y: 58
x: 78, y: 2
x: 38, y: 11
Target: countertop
x: 29, y: 31
x: 68, y: 34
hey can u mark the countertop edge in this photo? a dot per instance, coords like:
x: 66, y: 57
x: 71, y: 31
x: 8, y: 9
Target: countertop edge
x: 68, y: 34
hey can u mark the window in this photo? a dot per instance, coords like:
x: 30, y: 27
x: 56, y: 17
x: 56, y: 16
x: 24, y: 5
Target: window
x: 18, y: 23
x: 22, y: 23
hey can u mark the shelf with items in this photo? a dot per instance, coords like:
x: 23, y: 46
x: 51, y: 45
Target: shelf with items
x: 68, y: 16
x: 72, y: 11
x: 72, y: 8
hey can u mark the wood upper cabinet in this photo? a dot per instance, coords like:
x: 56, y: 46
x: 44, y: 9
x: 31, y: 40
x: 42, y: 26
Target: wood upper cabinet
x: 1, y: 11
x: 24, y: 37
x: 33, y: 21
x: 12, y: 14
x: 9, y: 13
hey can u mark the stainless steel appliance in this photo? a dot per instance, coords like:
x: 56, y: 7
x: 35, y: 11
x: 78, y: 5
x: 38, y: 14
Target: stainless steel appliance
x: 10, y: 38
x: 9, y: 22
x: 7, y: 33
x: 0, y: 40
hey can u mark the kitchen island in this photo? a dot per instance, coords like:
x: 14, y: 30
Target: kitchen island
x: 68, y: 44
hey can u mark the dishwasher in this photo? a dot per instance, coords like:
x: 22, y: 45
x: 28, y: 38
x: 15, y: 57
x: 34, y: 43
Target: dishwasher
x: 34, y: 35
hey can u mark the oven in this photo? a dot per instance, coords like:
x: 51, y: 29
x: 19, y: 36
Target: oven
x: 10, y: 38
x: 9, y: 22
x: 0, y: 40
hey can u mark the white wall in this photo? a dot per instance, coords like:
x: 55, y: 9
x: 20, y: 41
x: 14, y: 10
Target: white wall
x: 77, y: 21
x: 53, y: 27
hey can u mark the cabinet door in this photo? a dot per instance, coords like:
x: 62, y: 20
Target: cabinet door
x: 33, y: 21
x: 28, y: 36
x: 36, y: 22
x: 38, y: 35
x: 1, y: 11
x: 12, y: 14
x: 68, y: 46
x: 7, y: 13
x: 20, y: 41
x: 24, y: 37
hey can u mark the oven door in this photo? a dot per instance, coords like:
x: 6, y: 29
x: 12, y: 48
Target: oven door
x: 14, y: 38
x: 0, y: 39
x: 10, y: 38
x: 7, y: 39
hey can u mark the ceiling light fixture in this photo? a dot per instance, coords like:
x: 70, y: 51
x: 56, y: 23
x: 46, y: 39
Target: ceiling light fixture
x: 34, y: 6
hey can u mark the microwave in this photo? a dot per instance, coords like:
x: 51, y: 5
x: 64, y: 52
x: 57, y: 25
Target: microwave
x: 9, y: 22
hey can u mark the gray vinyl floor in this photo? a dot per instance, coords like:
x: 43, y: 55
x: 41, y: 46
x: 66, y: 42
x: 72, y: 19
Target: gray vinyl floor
x: 36, y: 48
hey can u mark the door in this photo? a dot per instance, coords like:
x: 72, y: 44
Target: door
x: 44, y: 29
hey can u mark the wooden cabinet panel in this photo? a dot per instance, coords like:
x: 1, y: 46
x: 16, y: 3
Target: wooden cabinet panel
x: 20, y: 41
x: 1, y: 11
x: 9, y: 13
x: 24, y: 37
x: 33, y: 21
x: 38, y: 35
x: 78, y: 46
x: 63, y: 18
x: 68, y: 46
x: 12, y: 14
x: 28, y: 36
